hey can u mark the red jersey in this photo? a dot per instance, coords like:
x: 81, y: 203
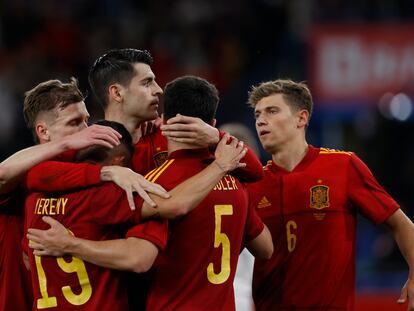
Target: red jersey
x: 15, y: 285
x: 150, y: 152
x: 196, y: 270
x: 69, y: 283
x: 311, y: 214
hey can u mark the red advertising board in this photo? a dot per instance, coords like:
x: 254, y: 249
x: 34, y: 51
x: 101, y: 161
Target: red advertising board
x: 361, y: 62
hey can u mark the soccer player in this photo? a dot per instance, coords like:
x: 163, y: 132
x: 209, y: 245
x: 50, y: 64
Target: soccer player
x: 309, y: 199
x: 61, y: 127
x: 124, y: 84
x: 92, y: 213
x: 69, y: 283
x: 196, y: 270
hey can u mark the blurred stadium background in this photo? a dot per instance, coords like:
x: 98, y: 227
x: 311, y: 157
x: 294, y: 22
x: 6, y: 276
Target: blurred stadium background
x: 357, y: 56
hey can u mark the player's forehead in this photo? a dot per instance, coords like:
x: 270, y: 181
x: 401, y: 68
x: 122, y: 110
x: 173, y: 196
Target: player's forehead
x: 143, y: 71
x: 73, y: 110
x: 274, y: 100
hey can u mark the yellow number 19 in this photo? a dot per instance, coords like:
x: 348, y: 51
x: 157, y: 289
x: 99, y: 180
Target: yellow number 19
x: 223, y: 240
x: 76, y: 265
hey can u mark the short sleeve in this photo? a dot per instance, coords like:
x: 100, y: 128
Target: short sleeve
x: 155, y: 231
x: 366, y: 194
x: 254, y: 225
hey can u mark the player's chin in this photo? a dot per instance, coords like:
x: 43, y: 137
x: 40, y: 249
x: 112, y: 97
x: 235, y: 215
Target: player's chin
x: 264, y: 141
x: 267, y: 146
x: 152, y: 115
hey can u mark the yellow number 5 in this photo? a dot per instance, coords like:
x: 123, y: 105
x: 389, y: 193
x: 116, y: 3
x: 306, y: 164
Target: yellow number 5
x: 223, y: 240
x: 291, y: 238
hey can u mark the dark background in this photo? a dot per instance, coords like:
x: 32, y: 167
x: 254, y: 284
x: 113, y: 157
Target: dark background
x: 234, y: 44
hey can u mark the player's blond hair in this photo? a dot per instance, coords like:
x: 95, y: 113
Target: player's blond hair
x: 47, y: 96
x: 296, y: 94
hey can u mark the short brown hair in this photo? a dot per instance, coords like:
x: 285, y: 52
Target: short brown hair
x: 47, y: 96
x: 296, y: 94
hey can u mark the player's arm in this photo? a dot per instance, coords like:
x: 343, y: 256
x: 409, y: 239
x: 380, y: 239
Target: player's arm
x: 192, y: 191
x: 132, y: 254
x: 13, y: 168
x: 403, y: 231
x: 52, y: 176
x: 261, y: 246
x: 195, y: 131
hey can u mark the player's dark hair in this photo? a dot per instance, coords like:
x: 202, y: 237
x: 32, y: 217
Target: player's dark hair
x: 99, y: 154
x: 191, y: 96
x: 47, y: 96
x: 115, y: 66
x: 296, y: 94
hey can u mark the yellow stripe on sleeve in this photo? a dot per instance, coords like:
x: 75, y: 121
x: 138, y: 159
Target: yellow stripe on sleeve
x: 154, y: 171
x: 161, y: 170
x: 328, y: 150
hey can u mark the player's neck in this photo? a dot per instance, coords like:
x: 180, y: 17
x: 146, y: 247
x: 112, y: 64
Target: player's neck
x: 132, y: 124
x: 174, y: 146
x: 290, y: 155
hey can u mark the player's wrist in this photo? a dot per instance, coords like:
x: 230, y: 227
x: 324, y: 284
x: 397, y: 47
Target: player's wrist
x: 215, y: 138
x: 221, y: 166
x: 70, y: 245
x: 106, y: 173
x: 62, y: 145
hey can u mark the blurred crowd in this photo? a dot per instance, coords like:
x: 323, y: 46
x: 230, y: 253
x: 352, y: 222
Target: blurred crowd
x: 234, y: 44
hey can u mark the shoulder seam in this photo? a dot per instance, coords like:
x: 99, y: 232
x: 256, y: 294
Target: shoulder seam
x: 334, y: 151
x: 153, y: 175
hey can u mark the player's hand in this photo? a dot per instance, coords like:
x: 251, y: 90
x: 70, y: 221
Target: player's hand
x: 190, y: 130
x: 229, y: 152
x: 93, y: 135
x: 407, y: 293
x: 50, y: 242
x: 132, y: 182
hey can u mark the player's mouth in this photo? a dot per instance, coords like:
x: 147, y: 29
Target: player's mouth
x: 263, y: 133
x: 155, y: 103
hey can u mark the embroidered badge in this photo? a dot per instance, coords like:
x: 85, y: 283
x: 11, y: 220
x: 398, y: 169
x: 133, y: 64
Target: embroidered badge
x: 160, y: 158
x: 319, y: 197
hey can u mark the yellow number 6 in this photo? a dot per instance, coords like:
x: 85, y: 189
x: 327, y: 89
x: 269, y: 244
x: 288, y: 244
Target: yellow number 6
x: 291, y: 238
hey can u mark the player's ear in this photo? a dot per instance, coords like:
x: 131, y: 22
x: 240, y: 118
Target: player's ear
x: 119, y: 160
x: 303, y: 118
x: 42, y: 131
x: 115, y: 92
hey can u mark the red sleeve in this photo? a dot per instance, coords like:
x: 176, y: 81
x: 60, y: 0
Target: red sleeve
x: 367, y: 195
x: 155, y: 231
x: 109, y: 205
x: 254, y: 225
x: 62, y: 176
x: 253, y: 171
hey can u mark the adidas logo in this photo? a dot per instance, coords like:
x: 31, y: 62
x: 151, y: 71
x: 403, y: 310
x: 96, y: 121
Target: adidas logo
x: 264, y: 202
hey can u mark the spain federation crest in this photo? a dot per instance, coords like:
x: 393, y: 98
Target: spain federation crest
x: 319, y: 197
x: 160, y: 158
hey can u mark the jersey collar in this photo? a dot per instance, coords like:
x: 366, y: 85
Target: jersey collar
x: 310, y: 156
x: 200, y: 153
